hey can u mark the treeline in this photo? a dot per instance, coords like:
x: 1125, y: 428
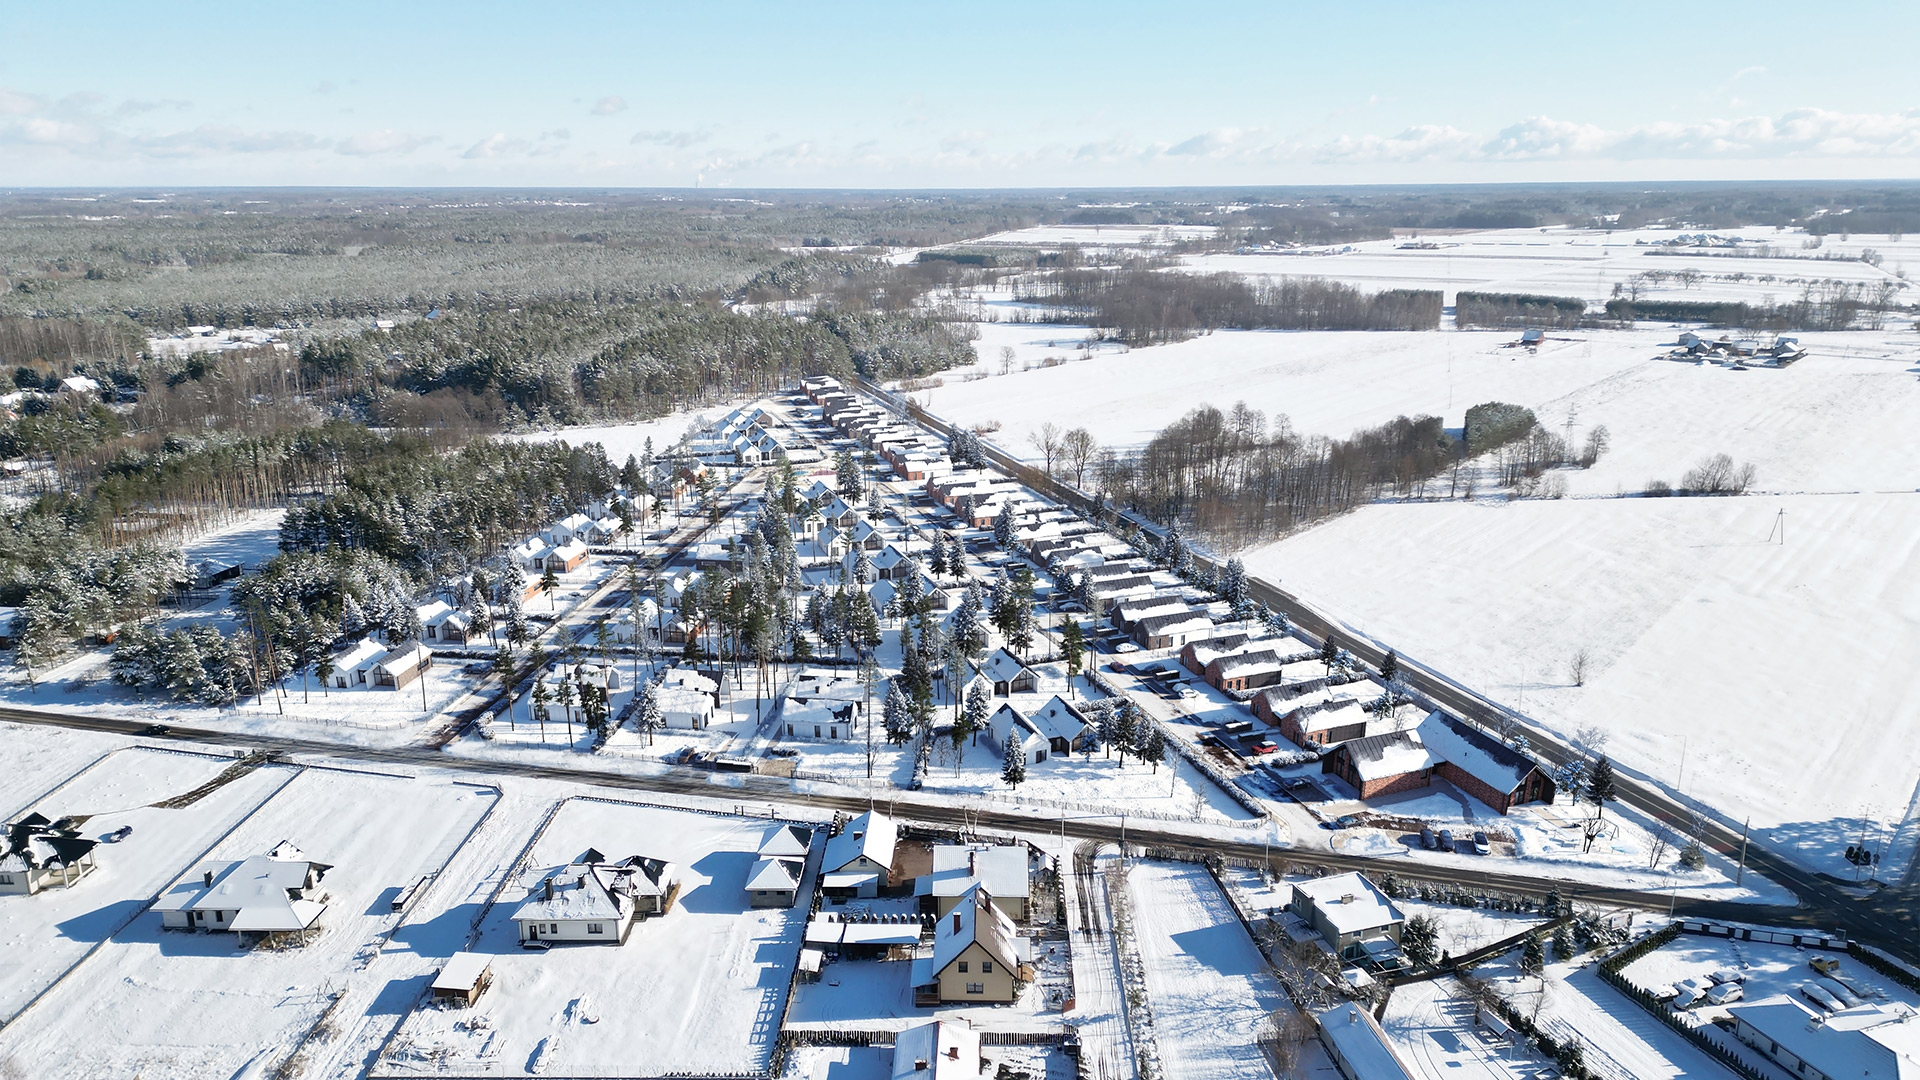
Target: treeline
x: 1145, y: 307
x: 1471, y: 309
x: 436, y: 515
x: 1832, y: 305
x: 1236, y: 477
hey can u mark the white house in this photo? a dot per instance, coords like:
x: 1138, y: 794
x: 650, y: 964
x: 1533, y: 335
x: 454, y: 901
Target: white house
x: 399, y: 666
x: 568, y: 529
x: 1872, y: 1041
x: 39, y: 855
x: 355, y: 666
x: 441, y: 621
x: 774, y: 880
x: 686, y: 699
x: 1002, y: 868
x: 1007, y: 723
x: 282, y: 891
x: 648, y: 629
x: 530, y: 554
x: 595, y: 901
x: 1062, y: 724
x: 1008, y: 675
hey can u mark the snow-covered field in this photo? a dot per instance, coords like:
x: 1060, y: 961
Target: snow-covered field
x: 46, y: 934
x: 167, y: 1003
x: 698, y: 990
x: 623, y: 440
x: 1767, y: 670
x: 39, y: 759
x: 1209, y: 986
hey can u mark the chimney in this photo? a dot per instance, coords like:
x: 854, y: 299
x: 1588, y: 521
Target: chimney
x: 208, y: 879
x: 919, y: 1064
x: 953, y: 1053
x: 956, y: 922
x: 549, y: 887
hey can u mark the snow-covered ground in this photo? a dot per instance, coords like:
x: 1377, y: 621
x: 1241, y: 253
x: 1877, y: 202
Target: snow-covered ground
x: 700, y: 989
x: 1210, y: 988
x: 1767, y: 970
x: 46, y: 934
x: 39, y: 759
x: 167, y: 1003
x: 1764, y: 670
x: 624, y: 440
x: 1432, y: 1028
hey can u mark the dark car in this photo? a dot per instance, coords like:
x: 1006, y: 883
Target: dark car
x: 155, y: 731
x: 118, y: 834
x: 1426, y: 838
x: 1116, y: 667
x: 1446, y: 839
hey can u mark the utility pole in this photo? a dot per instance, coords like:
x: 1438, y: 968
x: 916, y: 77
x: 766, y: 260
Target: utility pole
x: 1742, y: 871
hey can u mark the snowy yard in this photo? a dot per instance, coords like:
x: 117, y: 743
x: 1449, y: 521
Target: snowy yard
x: 1209, y: 986
x: 46, y: 934
x: 1432, y: 1027
x: 700, y: 989
x: 39, y: 758
x: 191, y: 1004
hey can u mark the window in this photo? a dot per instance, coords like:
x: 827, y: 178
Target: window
x: 833, y: 733
x: 6, y: 879
x: 596, y: 928
x: 553, y: 928
x: 219, y: 916
x: 976, y: 988
x: 986, y: 967
x: 816, y: 731
x: 963, y: 967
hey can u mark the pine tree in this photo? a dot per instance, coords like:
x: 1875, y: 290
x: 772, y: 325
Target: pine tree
x: 979, y: 709
x: 1003, y: 534
x: 1073, y: 647
x: 1420, y: 940
x: 1533, y: 959
x: 646, y: 715
x: 1390, y: 667
x: 1562, y: 943
x: 1600, y: 786
x: 1329, y: 652
x: 1126, y: 728
x: 1154, y: 750
x: 1014, y: 772
x: 1550, y: 907
x: 897, y: 716
x: 1278, y: 624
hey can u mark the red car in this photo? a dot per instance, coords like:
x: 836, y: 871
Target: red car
x: 1265, y: 746
x: 1117, y: 667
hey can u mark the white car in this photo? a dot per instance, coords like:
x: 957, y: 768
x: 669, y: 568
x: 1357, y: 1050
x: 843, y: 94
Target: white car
x: 1126, y: 647
x: 1188, y: 691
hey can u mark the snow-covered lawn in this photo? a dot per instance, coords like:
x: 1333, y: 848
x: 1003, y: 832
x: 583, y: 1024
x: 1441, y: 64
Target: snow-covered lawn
x: 46, y: 934
x: 169, y: 1003
x: 700, y: 989
x: 1209, y: 986
x: 1431, y: 1026
x: 39, y: 758
x: 1768, y: 670
x: 623, y: 440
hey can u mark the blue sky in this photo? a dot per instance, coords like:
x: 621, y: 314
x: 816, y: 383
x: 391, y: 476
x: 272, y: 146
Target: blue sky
x: 978, y: 95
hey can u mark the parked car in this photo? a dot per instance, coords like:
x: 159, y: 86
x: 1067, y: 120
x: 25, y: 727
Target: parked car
x: 1426, y: 838
x: 1724, y: 993
x: 1480, y: 838
x: 1688, y: 997
x: 1126, y: 647
x: 1265, y: 746
x: 1186, y: 691
x: 1822, y: 997
x: 1446, y: 839
x: 1117, y: 667
x: 1729, y: 975
x: 1347, y: 821
x: 118, y: 834
x: 478, y: 667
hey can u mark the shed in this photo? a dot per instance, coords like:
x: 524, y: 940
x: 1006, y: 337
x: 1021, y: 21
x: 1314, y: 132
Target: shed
x: 464, y: 978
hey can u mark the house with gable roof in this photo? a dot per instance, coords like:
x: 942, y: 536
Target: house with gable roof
x: 775, y: 878
x: 977, y: 955
x: 859, y: 860
x: 1008, y: 674
x: 280, y: 892
x: 1483, y: 766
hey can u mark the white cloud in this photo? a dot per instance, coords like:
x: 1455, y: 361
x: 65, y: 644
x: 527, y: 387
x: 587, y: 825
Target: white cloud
x: 607, y: 106
x: 1422, y: 142
x: 380, y: 143
x: 499, y: 145
x: 679, y: 140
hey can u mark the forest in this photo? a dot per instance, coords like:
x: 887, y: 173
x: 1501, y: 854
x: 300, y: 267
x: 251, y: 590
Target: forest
x: 1146, y: 306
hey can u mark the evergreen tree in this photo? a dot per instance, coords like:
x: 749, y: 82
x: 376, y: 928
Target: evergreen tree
x: 549, y: 582
x: 1550, y: 907
x: 1277, y: 622
x: 646, y: 714
x: 1014, y: 772
x: 1073, y: 648
x: 1601, y: 789
x: 1329, y: 652
x: 1562, y: 943
x: 897, y: 716
x: 1533, y: 959
x: 978, y: 710
x: 1154, y: 750
x: 1126, y: 728
x: 1420, y: 940
x: 1390, y: 667
x: 1003, y: 534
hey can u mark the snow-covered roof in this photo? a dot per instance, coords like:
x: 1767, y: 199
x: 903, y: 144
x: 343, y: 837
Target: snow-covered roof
x: 262, y: 890
x: 1396, y: 753
x: 1255, y: 662
x: 361, y: 657
x: 1355, y: 1035
x: 1349, y: 902
x: 1003, y: 666
x: 688, y: 679
x: 1060, y: 719
x: 871, y: 834
x: 787, y: 841
x: 462, y: 972
x: 1873, y: 1042
x: 570, y: 550
x: 975, y: 920
x: 593, y: 888
x: 773, y: 874
x: 1002, y: 868
x: 942, y: 1050
x: 404, y: 657
x: 1484, y: 758
x: 1178, y: 622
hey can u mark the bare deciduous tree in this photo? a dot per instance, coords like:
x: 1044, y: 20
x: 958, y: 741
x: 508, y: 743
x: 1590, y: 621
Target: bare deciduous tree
x: 1078, y: 448
x: 1047, y: 440
x: 1006, y: 359
x: 1577, y: 666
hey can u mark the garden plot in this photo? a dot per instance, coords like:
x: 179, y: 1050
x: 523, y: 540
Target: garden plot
x: 190, y: 1004
x: 700, y: 989
x: 1707, y: 641
x: 1209, y: 986
x: 44, y: 935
